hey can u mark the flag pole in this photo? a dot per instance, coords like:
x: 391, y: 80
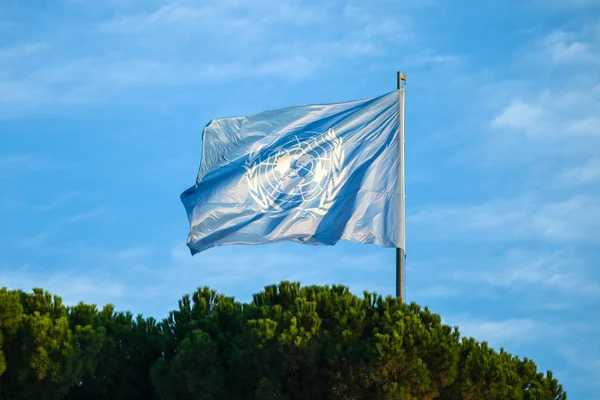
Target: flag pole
x: 401, y: 251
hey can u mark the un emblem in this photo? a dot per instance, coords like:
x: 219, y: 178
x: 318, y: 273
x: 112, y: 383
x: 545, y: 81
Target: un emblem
x: 297, y: 176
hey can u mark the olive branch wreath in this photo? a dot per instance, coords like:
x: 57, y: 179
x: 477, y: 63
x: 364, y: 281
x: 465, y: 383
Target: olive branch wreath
x: 337, y: 174
x: 333, y: 187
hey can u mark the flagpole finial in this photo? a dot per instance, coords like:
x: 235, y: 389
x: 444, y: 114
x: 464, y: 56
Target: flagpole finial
x: 401, y: 80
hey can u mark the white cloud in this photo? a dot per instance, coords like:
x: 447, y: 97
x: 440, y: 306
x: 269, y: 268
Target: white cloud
x: 579, y: 358
x: 84, y: 216
x: 436, y: 291
x: 580, y: 364
x: 35, y: 240
x: 564, y: 47
x: 166, y: 45
x: 565, y: 109
x: 335, y: 49
x: 585, y: 126
x: 130, y: 254
x: 41, y: 207
x: 14, y: 164
x: 11, y: 53
x: 59, y: 201
x: 18, y: 160
x: 78, y: 271
x: 75, y: 286
x: 555, y: 270
x: 374, y: 25
x: 77, y: 82
x: 421, y: 59
x: 503, y: 333
x: 42, y: 239
x: 223, y: 18
x: 145, y: 278
x: 573, y: 219
x: 520, y: 115
x: 15, y: 92
x: 553, y: 116
x: 585, y: 173
x: 245, y: 270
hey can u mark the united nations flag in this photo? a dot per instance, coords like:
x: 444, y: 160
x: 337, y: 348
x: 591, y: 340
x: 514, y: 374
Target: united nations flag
x: 311, y: 174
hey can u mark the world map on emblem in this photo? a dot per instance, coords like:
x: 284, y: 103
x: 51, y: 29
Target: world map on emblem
x: 299, y: 175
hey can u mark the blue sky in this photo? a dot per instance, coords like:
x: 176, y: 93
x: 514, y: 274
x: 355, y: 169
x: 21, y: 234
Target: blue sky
x: 102, y: 106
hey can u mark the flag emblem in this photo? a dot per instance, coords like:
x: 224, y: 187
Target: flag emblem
x: 300, y: 176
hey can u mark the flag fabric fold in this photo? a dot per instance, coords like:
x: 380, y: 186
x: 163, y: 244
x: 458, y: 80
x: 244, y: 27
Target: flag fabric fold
x: 311, y: 174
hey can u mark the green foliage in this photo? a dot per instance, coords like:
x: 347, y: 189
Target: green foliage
x: 121, y: 351
x: 38, y: 348
x: 290, y: 342
x: 197, y: 339
x: 11, y: 314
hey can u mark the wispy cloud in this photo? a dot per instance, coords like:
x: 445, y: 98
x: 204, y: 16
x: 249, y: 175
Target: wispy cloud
x: 90, y: 273
x: 75, y: 81
x: 143, y: 278
x: 568, y: 47
x: 57, y: 202
x: 555, y: 270
x: 521, y: 278
x: 418, y: 60
x: 41, y: 207
x: 223, y: 18
x: 19, y: 161
x: 45, y: 235
x: 437, y: 291
x: 566, y: 109
x: 11, y: 53
x: 553, y: 115
x: 22, y: 163
x: 526, y: 218
x: 95, y: 287
x: 581, y: 359
x: 132, y: 254
x: 585, y: 173
x: 498, y: 333
x: 37, y: 239
x: 535, y: 281
x: 520, y: 115
x: 84, y: 216
x: 247, y: 269
x: 372, y: 26
x: 16, y: 160
x: 173, y: 45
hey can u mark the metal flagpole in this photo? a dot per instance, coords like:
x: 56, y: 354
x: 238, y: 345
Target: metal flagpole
x: 401, y: 251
